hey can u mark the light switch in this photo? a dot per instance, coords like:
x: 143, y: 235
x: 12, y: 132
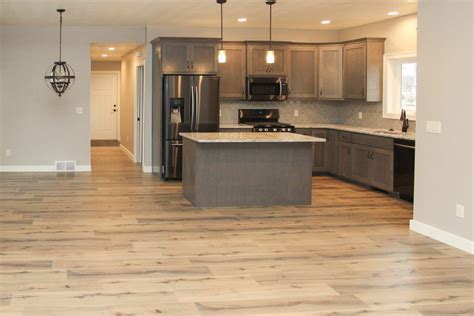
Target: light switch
x: 433, y: 127
x: 79, y: 110
x: 297, y: 113
x: 360, y: 115
x: 8, y: 152
x: 459, y: 210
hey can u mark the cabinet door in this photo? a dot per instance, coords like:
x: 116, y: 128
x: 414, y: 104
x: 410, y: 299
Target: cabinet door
x: 232, y: 73
x: 382, y: 169
x: 257, y: 62
x: 332, y: 151
x: 304, y: 72
x: 345, y: 159
x: 330, y: 72
x: 361, y: 163
x: 203, y: 58
x: 355, y: 71
x: 175, y: 57
x: 319, y: 151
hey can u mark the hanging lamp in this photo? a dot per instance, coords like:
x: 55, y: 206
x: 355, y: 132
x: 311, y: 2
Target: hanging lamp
x: 270, y: 52
x: 59, y: 76
x: 221, y: 56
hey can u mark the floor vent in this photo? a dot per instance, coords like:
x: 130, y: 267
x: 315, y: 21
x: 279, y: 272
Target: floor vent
x: 66, y: 166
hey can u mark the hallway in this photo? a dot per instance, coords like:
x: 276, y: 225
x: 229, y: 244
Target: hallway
x: 119, y: 242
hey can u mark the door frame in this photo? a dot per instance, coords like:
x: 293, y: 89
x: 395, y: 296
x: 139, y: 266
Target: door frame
x: 138, y: 129
x: 110, y: 72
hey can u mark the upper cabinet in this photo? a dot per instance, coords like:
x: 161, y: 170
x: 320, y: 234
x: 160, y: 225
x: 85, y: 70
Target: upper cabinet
x: 363, y: 70
x: 257, y: 62
x: 232, y: 73
x: 189, y: 56
x: 303, y: 77
x: 330, y: 72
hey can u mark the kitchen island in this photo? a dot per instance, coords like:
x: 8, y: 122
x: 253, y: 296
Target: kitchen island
x: 246, y: 169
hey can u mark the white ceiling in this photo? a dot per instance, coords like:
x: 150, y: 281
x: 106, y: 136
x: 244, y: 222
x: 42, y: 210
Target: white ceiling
x: 121, y: 49
x: 289, y: 14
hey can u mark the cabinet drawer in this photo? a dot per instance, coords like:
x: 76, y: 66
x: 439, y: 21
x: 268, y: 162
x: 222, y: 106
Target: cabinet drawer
x: 374, y: 141
x: 345, y: 136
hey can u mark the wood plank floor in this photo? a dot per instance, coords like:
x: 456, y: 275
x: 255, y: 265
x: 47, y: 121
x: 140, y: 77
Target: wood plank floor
x: 119, y: 242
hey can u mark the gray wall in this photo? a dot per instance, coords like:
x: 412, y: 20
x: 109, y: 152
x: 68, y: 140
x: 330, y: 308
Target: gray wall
x: 444, y: 162
x: 36, y: 124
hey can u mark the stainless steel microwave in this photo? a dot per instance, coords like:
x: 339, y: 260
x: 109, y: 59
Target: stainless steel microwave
x: 267, y: 88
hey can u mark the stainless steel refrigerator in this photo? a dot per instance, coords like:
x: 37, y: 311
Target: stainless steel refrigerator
x: 190, y: 104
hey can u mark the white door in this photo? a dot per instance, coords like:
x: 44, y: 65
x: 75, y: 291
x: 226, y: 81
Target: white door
x: 104, y: 107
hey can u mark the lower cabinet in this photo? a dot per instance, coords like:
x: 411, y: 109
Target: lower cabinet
x: 361, y: 163
x: 345, y: 160
x: 319, y: 151
x: 332, y: 150
x: 382, y: 169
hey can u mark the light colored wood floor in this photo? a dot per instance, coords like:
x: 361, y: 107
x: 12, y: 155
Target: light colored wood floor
x: 118, y: 242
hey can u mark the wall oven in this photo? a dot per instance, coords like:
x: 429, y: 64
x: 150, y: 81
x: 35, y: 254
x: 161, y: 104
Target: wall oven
x: 268, y: 88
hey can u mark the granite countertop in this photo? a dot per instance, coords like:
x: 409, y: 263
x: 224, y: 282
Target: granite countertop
x: 251, y: 138
x: 340, y: 127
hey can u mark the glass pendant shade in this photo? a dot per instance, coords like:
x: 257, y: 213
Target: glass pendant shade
x: 270, y: 56
x: 222, y: 57
x: 59, y: 77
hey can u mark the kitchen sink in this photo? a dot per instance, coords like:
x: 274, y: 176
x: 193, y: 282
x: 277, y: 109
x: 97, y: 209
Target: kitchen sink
x: 388, y: 132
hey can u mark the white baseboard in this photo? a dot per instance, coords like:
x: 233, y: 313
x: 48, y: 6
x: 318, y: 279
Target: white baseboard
x: 127, y: 152
x: 79, y: 168
x: 147, y: 169
x: 443, y: 236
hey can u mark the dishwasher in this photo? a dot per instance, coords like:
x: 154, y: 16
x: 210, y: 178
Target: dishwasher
x: 404, y: 168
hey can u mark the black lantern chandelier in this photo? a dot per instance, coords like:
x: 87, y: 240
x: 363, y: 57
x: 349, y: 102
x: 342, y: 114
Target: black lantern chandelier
x: 59, y: 76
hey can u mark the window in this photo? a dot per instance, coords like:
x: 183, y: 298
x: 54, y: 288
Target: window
x: 399, y: 85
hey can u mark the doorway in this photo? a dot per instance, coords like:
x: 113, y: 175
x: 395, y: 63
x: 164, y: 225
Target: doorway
x: 104, y: 106
x: 140, y: 97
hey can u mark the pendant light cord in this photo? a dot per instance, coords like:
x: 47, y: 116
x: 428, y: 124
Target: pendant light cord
x: 271, y: 26
x: 60, y: 34
x: 222, y: 27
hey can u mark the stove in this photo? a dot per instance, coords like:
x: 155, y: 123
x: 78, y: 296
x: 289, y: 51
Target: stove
x: 264, y: 121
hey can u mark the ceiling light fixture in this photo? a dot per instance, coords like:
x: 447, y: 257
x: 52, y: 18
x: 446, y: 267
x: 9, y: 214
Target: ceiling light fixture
x: 325, y: 21
x: 270, y: 52
x: 111, y: 49
x: 221, y: 56
x: 105, y: 55
x: 393, y: 13
x: 241, y: 20
x: 60, y: 76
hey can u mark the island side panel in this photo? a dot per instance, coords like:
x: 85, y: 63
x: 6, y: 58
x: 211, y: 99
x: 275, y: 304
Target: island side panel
x: 189, y: 169
x: 247, y: 174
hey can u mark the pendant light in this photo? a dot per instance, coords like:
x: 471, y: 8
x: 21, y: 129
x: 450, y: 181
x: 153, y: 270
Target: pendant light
x: 270, y: 52
x: 59, y: 76
x: 221, y: 56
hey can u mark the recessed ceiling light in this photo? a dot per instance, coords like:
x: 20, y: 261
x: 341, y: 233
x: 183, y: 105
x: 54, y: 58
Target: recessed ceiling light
x: 325, y: 21
x: 105, y: 55
x: 111, y: 48
x: 392, y: 13
x: 241, y: 20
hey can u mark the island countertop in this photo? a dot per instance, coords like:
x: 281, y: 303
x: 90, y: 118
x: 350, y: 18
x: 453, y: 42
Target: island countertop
x: 251, y: 138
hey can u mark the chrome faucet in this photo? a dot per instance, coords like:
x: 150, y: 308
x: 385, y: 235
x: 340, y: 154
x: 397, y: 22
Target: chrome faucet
x: 406, y: 123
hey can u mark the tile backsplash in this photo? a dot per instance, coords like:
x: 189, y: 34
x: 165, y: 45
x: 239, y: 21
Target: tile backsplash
x: 315, y: 112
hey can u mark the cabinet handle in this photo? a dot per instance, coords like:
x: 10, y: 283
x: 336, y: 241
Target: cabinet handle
x: 321, y: 91
x: 362, y: 92
x: 187, y: 62
x: 243, y: 91
x: 372, y: 156
x: 192, y: 64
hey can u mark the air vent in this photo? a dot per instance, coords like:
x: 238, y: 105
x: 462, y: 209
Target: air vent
x: 66, y: 166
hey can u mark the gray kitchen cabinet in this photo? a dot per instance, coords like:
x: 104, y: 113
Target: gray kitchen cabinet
x: 345, y: 160
x: 303, y: 78
x: 382, y: 169
x: 257, y: 62
x: 186, y: 56
x: 330, y: 72
x: 331, y: 150
x: 319, y: 151
x: 232, y: 73
x: 361, y: 164
x: 363, y: 69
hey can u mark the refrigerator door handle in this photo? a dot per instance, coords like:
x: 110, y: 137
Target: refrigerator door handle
x: 197, y: 98
x: 193, y: 107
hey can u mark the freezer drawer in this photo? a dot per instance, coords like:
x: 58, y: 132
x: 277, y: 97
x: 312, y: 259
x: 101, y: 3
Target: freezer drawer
x: 174, y: 160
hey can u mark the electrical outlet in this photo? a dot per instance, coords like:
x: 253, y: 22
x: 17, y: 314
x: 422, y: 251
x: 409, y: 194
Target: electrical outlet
x: 220, y: 113
x: 8, y: 152
x: 297, y: 113
x: 360, y: 115
x: 79, y: 110
x: 460, y: 210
